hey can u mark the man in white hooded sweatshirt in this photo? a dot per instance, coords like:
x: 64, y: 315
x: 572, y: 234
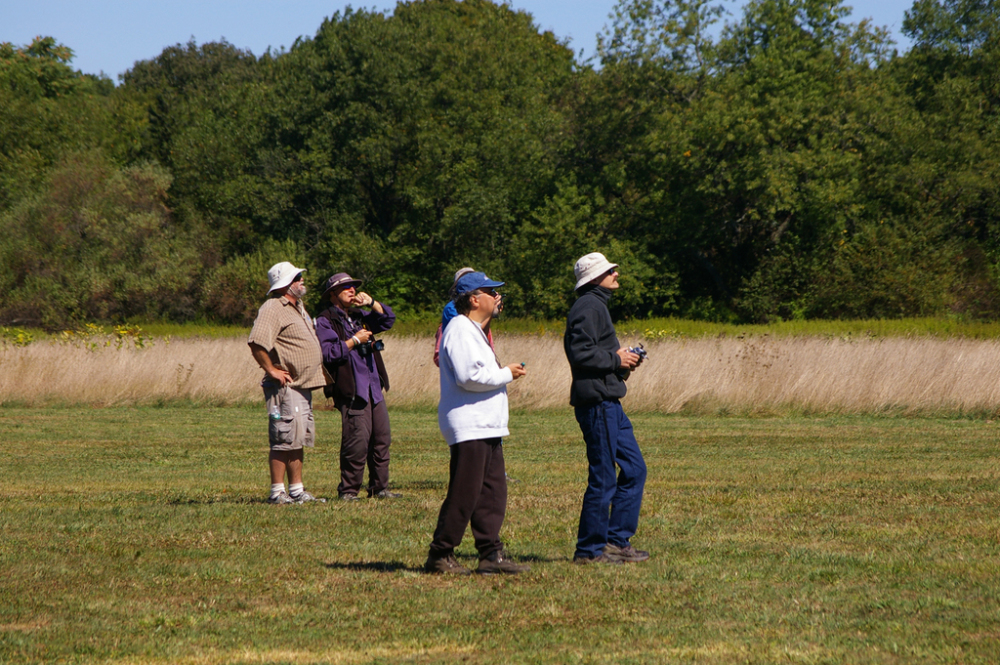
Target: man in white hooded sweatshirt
x: 472, y: 415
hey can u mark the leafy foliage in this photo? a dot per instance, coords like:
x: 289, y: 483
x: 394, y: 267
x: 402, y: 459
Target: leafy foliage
x: 96, y: 244
x: 422, y: 139
x: 962, y: 26
x: 47, y: 110
x: 790, y: 165
x: 234, y: 290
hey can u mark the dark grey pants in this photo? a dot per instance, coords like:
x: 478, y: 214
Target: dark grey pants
x: 477, y: 494
x: 364, y: 438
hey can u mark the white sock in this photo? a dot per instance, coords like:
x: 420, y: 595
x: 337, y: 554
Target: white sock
x: 295, y: 490
x: 276, y: 489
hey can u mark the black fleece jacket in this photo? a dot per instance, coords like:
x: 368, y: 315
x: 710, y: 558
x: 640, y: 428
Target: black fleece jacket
x: 592, y: 349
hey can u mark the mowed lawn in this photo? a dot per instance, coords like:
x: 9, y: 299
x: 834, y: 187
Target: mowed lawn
x: 141, y: 535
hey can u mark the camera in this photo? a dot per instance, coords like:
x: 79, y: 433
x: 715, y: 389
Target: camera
x: 639, y: 351
x: 365, y: 348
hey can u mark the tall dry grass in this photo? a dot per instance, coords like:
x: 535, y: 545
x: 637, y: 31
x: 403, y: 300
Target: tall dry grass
x: 755, y: 374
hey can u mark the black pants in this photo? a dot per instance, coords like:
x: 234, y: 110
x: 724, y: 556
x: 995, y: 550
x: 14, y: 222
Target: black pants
x: 364, y: 439
x: 477, y: 494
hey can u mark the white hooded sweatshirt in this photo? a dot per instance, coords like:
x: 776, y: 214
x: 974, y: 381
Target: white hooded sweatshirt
x: 473, y: 385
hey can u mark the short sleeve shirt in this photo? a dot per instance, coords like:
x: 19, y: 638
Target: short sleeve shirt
x: 284, y: 330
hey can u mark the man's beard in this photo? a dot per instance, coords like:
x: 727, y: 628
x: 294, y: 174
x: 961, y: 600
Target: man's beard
x: 297, y: 290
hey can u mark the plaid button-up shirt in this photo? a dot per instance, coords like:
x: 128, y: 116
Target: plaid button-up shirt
x: 286, y: 332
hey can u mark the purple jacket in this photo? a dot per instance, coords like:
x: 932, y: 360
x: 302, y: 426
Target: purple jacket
x: 367, y: 372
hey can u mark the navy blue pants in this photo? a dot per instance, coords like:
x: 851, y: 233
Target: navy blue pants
x: 612, y: 501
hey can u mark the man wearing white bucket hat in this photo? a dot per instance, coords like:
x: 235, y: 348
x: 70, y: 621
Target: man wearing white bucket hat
x: 283, y: 342
x: 599, y: 365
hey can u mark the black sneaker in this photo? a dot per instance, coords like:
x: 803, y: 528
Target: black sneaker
x: 600, y: 558
x: 498, y: 562
x: 627, y: 554
x: 445, y: 565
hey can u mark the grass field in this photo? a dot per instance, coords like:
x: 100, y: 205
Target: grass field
x: 139, y: 535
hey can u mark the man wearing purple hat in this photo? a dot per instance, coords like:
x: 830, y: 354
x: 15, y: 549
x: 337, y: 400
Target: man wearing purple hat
x: 599, y: 365
x: 354, y: 359
x: 472, y: 415
x: 284, y: 344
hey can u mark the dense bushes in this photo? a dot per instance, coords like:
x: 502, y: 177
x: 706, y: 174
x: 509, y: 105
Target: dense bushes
x: 792, y: 167
x: 97, y: 243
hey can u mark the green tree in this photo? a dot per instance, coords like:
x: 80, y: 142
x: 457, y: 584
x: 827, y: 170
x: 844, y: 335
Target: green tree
x: 96, y: 243
x: 742, y: 158
x: 958, y: 26
x: 204, y: 105
x: 234, y: 291
x: 48, y: 109
x: 937, y: 169
x: 422, y: 141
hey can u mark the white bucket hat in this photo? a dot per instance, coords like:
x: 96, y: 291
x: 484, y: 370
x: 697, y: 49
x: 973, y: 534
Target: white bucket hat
x: 281, y: 275
x: 590, y: 267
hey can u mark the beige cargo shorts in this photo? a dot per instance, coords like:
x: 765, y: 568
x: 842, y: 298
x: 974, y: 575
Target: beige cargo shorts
x: 289, y: 417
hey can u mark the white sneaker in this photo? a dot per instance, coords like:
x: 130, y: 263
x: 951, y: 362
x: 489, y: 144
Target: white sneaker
x: 281, y: 498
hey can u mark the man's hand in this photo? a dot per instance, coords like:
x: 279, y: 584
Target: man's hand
x: 264, y: 360
x: 362, y: 299
x: 363, y: 335
x: 279, y: 375
x: 517, y: 369
x: 629, y: 359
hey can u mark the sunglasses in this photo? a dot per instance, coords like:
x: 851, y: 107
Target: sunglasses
x: 488, y: 292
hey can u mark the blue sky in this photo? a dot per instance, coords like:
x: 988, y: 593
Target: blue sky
x: 110, y: 35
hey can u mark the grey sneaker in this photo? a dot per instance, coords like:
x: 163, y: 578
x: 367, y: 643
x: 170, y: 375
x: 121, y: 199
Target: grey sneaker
x: 600, y: 558
x: 349, y: 497
x: 445, y: 565
x: 302, y: 497
x: 386, y: 494
x: 498, y: 562
x: 627, y: 554
x: 281, y: 498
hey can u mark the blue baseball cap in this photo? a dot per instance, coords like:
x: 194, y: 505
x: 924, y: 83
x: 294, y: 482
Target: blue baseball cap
x: 474, y: 280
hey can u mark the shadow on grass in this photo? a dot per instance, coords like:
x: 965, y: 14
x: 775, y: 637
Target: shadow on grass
x: 375, y: 566
x: 517, y: 558
x: 398, y: 566
x: 209, y: 500
x: 421, y: 485
x: 236, y: 499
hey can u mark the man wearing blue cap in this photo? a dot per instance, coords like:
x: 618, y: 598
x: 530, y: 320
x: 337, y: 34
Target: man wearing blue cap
x: 472, y: 415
